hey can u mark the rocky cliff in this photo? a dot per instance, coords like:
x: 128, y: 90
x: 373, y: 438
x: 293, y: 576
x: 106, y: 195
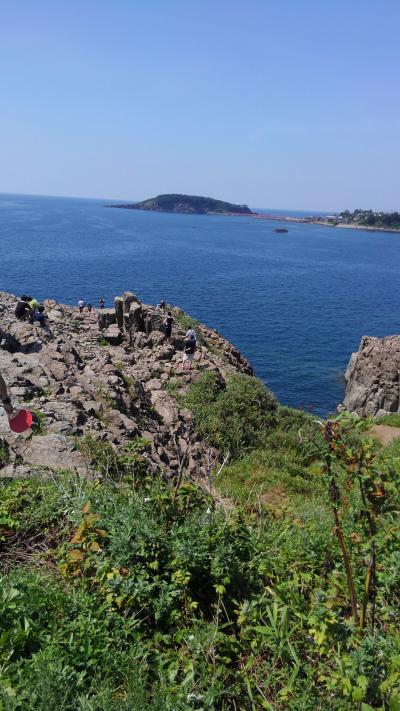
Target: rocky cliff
x: 372, y: 377
x: 107, y: 374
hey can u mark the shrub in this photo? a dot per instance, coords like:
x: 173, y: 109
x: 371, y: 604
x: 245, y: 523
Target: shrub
x: 233, y: 415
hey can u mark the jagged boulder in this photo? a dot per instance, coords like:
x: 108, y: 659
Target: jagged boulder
x: 54, y: 451
x: 113, y: 335
x: 372, y: 377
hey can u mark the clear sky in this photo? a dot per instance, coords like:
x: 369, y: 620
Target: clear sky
x: 276, y: 103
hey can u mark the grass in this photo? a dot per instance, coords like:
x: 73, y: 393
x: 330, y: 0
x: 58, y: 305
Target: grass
x: 392, y: 420
x: 39, y: 422
x: 173, y: 388
x: 392, y: 452
x: 278, y: 473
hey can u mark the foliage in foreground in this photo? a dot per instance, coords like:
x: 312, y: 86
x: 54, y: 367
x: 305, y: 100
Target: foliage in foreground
x: 142, y: 596
x: 231, y: 415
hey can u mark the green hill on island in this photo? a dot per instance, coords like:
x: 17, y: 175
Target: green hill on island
x: 187, y: 204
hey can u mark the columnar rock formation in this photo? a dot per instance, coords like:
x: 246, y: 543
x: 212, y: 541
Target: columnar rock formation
x: 372, y: 377
x: 107, y: 374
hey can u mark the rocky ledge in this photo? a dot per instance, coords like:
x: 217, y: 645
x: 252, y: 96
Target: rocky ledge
x: 372, y: 377
x: 106, y: 374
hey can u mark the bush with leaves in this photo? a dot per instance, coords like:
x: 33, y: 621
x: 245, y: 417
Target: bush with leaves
x: 232, y: 415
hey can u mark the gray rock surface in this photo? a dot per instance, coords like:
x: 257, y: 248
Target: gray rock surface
x: 111, y: 392
x: 373, y: 377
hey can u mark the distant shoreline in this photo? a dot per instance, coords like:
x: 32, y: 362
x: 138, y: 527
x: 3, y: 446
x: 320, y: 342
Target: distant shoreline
x: 311, y: 220
x: 315, y: 221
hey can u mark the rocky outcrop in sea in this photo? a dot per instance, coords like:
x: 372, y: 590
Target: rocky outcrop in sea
x: 108, y: 374
x: 372, y: 377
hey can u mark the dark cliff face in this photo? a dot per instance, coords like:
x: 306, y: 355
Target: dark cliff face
x: 188, y: 204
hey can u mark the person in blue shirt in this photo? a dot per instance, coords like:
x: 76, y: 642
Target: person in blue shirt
x: 39, y: 316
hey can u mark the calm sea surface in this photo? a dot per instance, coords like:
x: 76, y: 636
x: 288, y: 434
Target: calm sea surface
x: 295, y: 304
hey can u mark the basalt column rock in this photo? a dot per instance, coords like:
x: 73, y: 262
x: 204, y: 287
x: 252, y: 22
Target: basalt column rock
x: 134, y: 320
x: 119, y: 312
x: 372, y: 377
x: 129, y: 298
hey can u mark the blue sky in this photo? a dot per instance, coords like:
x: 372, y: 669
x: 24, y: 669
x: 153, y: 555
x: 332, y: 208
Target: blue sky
x: 281, y: 103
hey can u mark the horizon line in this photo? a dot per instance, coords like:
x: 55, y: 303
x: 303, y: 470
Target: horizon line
x: 99, y: 199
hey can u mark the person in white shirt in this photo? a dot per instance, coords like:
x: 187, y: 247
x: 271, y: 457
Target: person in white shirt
x: 191, y: 333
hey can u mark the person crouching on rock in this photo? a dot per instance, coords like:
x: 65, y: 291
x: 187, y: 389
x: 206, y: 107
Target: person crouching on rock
x: 34, y: 304
x: 23, y: 309
x: 168, y: 321
x: 188, y: 353
x: 39, y: 316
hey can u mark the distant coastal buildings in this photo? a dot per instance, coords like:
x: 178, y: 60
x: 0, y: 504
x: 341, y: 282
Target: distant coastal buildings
x: 358, y: 219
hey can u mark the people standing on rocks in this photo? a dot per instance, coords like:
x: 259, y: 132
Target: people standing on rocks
x: 168, y: 321
x: 101, y: 303
x: 162, y: 305
x: 81, y: 305
x: 189, y: 350
x: 89, y: 308
x: 23, y: 309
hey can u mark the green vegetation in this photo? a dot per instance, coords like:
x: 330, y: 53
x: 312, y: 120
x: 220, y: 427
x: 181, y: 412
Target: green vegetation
x: 281, y: 472
x: 368, y: 218
x: 39, y: 422
x: 125, y: 592
x: 173, y: 386
x: 232, y: 417
x: 392, y: 420
x: 192, y: 204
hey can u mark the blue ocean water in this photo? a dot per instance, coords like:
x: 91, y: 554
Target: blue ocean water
x: 295, y: 304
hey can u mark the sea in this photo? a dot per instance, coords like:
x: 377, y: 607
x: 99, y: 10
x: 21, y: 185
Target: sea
x: 295, y: 304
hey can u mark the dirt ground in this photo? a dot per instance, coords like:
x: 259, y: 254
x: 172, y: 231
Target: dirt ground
x: 385, y: 433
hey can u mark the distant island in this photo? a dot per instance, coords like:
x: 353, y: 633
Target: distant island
x: 188, y: 205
